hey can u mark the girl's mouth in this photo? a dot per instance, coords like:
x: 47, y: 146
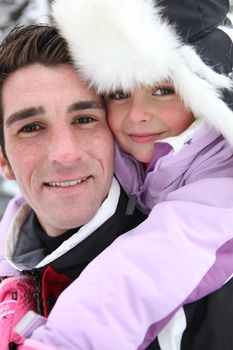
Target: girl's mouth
x: 146, y: 137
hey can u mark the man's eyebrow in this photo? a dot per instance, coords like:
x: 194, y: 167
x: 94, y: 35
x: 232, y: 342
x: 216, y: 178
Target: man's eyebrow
x: 24, y: 114
x: 79, y: 106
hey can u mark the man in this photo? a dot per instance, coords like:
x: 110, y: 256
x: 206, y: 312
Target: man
x: 57, y: 145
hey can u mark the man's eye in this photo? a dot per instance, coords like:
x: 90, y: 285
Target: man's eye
x: 84, y: 120
x: 30, y: 128
x: 163, y: 91
x: 119, y: 95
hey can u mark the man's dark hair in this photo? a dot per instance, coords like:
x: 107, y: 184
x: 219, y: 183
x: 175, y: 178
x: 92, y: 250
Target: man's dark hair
x: 26, y: 45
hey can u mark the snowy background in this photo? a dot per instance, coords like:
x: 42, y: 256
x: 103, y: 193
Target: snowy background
x: 22, y: 12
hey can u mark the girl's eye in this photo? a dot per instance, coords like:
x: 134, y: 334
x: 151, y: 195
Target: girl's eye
x: 30, y: 128
x: 119, y: 95
x: 163, y: 91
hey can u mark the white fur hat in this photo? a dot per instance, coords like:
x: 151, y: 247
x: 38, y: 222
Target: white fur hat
x: 126, y: 43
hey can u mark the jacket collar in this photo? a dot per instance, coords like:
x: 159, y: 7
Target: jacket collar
x: 106, y: 210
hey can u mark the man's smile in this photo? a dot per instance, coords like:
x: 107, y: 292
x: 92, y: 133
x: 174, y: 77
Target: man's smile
x: 66, y: 183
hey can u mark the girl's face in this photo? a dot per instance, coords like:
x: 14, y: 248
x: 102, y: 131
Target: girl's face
x: 148, y: 114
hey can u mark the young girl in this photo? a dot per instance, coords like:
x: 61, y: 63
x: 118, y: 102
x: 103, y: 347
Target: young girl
x: 162, y: 102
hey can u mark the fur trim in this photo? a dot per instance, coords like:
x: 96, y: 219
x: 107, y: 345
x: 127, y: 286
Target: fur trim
x: 127, y: 43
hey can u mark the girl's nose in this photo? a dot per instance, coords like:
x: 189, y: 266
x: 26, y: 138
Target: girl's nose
x: 138, y: 112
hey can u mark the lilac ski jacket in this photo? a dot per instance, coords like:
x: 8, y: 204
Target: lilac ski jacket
x: 182, y: 252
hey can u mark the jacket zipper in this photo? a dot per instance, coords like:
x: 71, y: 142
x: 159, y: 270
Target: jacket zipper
x: 140, y: 170
x: 36, y: 275
x: 135, y: 196
x: 38, y: 291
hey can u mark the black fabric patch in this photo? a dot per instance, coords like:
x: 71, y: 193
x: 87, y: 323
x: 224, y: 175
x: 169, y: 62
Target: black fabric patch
x: 193, y: 19
x: 209, y: 321
x: 34, y: 244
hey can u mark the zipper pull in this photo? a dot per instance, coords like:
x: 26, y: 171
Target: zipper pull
x: 131, y: 204
x: 37, y: 293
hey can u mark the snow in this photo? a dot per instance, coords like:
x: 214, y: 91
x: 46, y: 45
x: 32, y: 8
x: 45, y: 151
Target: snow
x: 22, y: 12
x: 36, y: 11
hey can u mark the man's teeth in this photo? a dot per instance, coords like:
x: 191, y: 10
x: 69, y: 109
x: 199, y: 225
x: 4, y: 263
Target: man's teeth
x: 66, y: 183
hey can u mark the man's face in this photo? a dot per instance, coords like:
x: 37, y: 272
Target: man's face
x: 58, y: 144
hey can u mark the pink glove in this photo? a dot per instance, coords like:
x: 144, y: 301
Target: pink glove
x: 16, y: 298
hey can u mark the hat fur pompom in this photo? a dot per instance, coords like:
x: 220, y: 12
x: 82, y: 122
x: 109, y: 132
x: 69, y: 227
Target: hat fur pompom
x: 117, y: 43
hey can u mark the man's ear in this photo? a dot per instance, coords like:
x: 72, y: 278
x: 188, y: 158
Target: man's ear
x: 5, y: 167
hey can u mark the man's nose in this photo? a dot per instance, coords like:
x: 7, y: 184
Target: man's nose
x: 64, y: 147
x: 139, y: 111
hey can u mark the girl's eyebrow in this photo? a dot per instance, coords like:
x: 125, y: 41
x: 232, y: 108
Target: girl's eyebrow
x: 81, y: 105
x: 24, y: 114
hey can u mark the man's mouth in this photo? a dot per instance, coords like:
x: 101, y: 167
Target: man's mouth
x: 66, y: 183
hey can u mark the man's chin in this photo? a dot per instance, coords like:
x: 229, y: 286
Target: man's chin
x: 56, y: 225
